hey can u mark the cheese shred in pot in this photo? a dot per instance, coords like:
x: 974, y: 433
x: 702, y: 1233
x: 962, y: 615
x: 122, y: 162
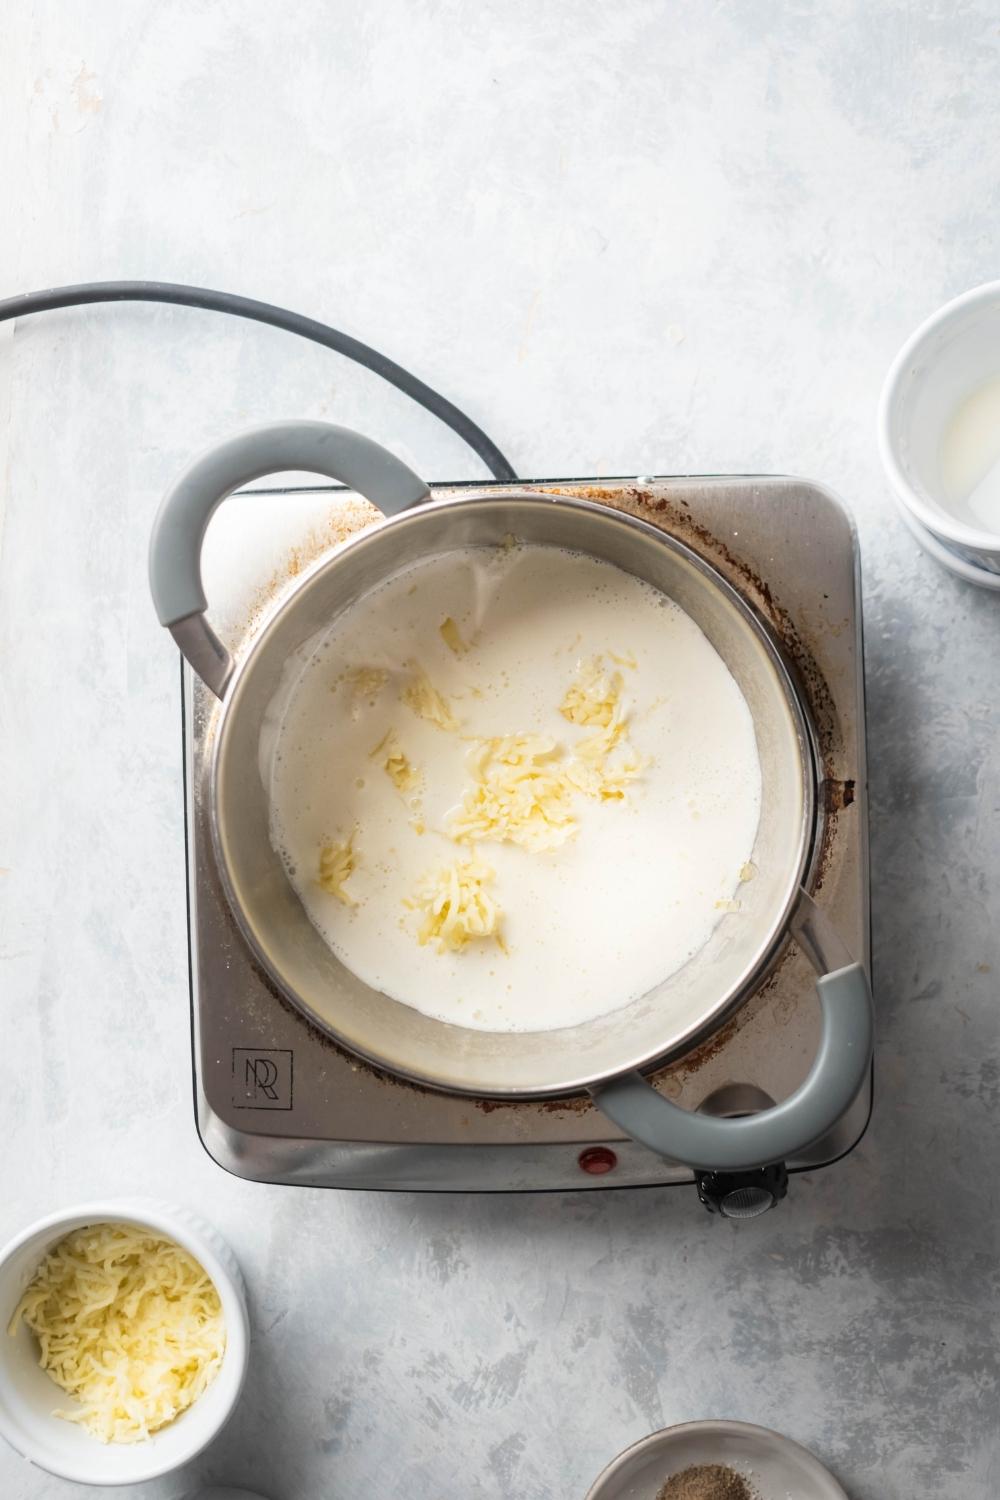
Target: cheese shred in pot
x: 519, y: 794
x: 456, y: 906
x: 127, y: 1323
x: 594, y: 695
x: 337, y: 863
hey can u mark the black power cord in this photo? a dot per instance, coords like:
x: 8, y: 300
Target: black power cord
x: 277, y: 317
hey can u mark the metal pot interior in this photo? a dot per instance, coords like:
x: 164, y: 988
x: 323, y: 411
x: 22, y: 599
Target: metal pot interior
x: 669, y: 1019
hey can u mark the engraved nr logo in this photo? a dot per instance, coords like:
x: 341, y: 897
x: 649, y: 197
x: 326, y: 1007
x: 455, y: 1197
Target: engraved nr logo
x: 262, y: 1078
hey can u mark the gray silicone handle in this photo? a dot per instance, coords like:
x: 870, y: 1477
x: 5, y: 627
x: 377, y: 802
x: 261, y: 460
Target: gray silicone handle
x: 775, y: 1135
x: 183, y: 517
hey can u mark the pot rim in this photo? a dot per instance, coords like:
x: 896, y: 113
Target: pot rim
x: 810, y: 835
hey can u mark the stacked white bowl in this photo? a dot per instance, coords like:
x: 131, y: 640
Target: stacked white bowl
x: 939, y: 434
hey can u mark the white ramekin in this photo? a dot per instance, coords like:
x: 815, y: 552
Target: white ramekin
x: 950, y: 356
x: 28, y: 1397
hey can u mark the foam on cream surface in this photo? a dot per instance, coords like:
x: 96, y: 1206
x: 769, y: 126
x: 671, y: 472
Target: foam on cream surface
x: 381, y: 735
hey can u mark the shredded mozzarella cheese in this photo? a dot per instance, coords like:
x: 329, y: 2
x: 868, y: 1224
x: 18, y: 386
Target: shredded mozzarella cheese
x: 456, y: 906
x: 603, y: 764
x: 626, y: 660
x: 127, y: 1323
x: 366, y: 681
x: 395, y: 762
x: 337, y: 863
x: 426, y: 702
x: 520, y: 794
x: 594, y: 697
x: 451, y: 636
x: 523, y: 784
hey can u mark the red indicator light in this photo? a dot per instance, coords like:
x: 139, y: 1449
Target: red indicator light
x: 597, y: 1160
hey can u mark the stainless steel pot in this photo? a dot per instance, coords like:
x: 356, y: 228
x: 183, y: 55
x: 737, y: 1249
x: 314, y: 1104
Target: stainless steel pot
x: 606, y: 1056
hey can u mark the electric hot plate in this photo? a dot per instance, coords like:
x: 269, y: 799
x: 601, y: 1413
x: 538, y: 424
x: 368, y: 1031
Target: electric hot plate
x: 277, y: 1101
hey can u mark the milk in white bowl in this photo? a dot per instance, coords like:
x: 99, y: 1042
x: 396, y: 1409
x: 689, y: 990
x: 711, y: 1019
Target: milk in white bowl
x: 970, y: 457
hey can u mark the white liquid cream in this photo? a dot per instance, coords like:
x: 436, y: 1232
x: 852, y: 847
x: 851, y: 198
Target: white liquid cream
x: 618, y: 876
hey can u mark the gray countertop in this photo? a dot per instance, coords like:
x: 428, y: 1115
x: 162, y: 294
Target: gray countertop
x: 634, y: 237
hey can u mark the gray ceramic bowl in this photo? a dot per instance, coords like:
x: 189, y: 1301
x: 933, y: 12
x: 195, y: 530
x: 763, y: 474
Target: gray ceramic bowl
x: 774, y: 1466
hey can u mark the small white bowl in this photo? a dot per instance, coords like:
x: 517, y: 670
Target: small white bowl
x: 28, y: 1397
x: 952, y: 355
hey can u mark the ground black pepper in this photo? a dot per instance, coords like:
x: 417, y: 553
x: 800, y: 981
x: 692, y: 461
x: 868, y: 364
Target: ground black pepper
x: 707, y: 1482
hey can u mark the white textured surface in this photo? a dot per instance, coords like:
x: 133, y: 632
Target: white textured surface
x: 627, y: 237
